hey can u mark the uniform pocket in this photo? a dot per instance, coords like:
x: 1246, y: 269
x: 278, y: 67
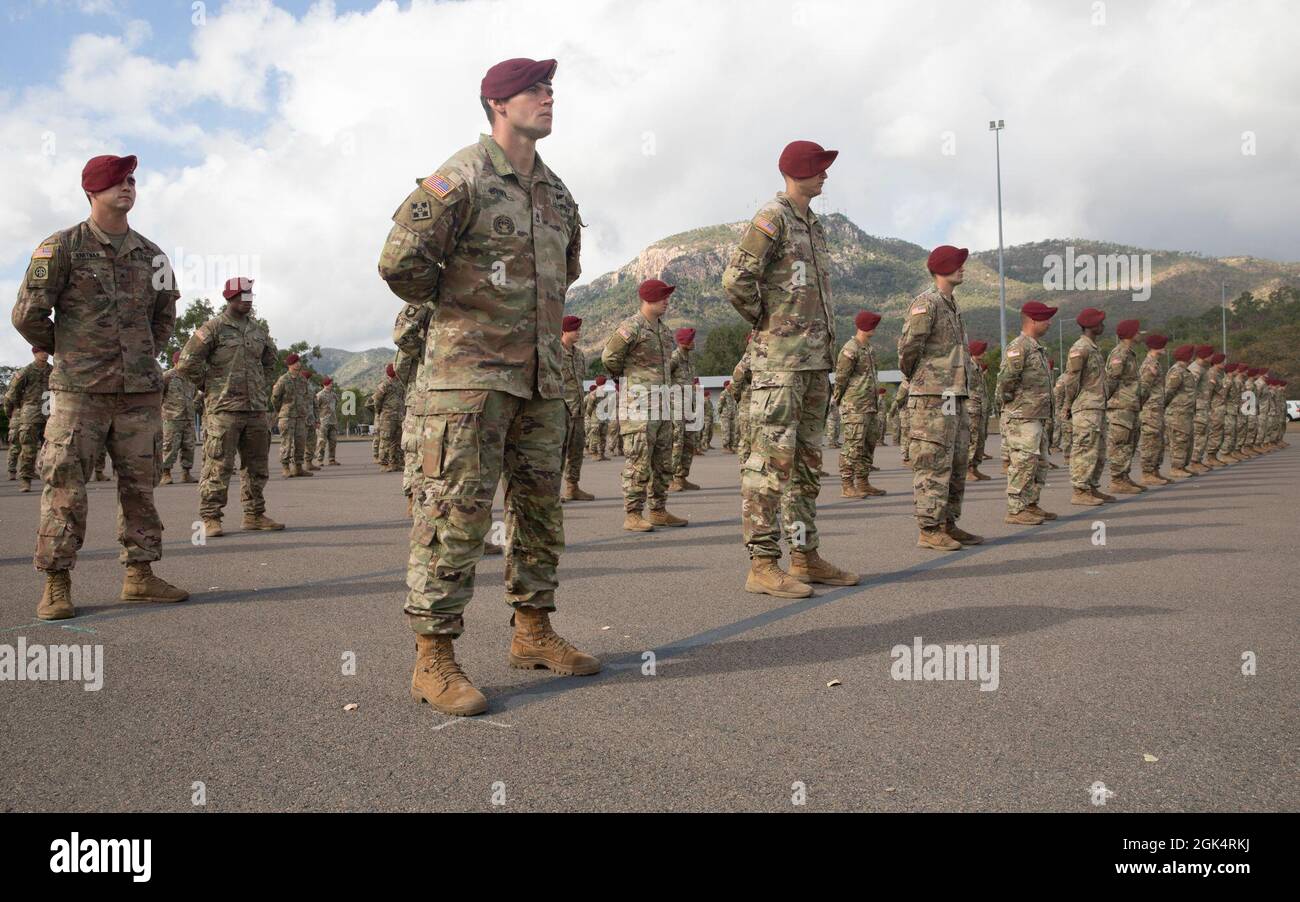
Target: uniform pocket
x: 450, y: 445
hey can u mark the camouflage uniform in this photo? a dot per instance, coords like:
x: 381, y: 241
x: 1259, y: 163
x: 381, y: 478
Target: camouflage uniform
x: 289, y: 401
x: 1025, y: 389
x: 573, y: 365
x: 681, y: 368
x: 311, y: 421
x: 1064, y: 429
x: 108, y: 325
x: 640, y: 353
x: 491, y: 392
x: 231, y: 360
x: 1151, y: 389
x: 727, y: 419
x: 390, y: 408
x: 1206, y: 385
x: 614, y: 442
x: 27, y: 402
x: 1180, y: 410
x: 1218, y: 401
x: 595, y: 426
x: 1085, y: 395
x: 1231, y: 413
x: 977, y: 410
x: 706, y: 434
x: 1122, y: 407
x: 834, y: 427
x: 742, y: 384
x: 778, y: 279
x: 327, y: 401
x: 901, y: 419
x: 854, y: 395
x: 178, y: 421
x: 933, y: 354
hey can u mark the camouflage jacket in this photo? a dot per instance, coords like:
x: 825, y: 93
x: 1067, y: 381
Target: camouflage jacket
x: 1221, y: 385
x: 779, y: 280
x: 1025, y: 380
x: 855, y: 381
x: 975, y: 384
x: 742, y: 384
x: 1197, y: 374
x: 640, y: 352
x: 1122, y: 375
x: 681, y: 370
x: 1151, y: 389
x: 231, y: 360
x: 900, y: 399
x: 932, y: 350
x: 1085, y: 377
x: 589, y: 401
x: 726, y: 405
x: 390, y: 398
x: 109, y: 320
x: 573, y: 366
x: 495, y: 260
x: 178, y: 396
x: 1234, y: 398
x: 1206, y: 386
x: 309, y: 400
x: 1180, y: 390
x: 289, y: 397
x: 28, y: 392
x: 327, y: 400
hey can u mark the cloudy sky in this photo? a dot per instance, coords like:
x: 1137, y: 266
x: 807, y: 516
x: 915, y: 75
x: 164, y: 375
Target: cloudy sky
x: 280, y: 137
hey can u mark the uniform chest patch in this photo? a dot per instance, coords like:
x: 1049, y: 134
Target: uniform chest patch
x: 503, y: 225
x: 420, y: 209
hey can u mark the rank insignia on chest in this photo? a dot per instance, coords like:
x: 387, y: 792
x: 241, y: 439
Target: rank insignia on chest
x: 503, y: 225
x: 437, y: 186
x: 421, y: 209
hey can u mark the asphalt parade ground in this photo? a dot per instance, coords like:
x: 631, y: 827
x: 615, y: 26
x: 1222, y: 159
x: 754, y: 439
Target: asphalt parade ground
x: 1118, y: 663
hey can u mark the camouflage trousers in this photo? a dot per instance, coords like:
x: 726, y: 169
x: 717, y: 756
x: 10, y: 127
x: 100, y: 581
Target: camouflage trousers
x: 705, y: 439
x: 939, y: 447
x: 896, y: 428
x: 1027, y: 471
x: 979, y: 431
x: 783, y: 468
x: 1065, y: 429
x: 469, y: 442
x: 327, y: 443
x: 178, y: 441
x: 1179, y: 432
x: 30, y: 438
x: 293, y: 440
x: 1201, y: 433
x: 744, y: 438
x: 15, y: 446
x: 614, y: 441
x: 573, y: 448
x: 390, y: 440
x: 685, y: 441
x: 648, y: 465
x: 1229, y: 442
x: 856, y: 449
x: 596, y: 436
x: 309, y: 446
x: 374, y: 445
x: 1214, y: 439
x: 1121, y: 440
x: 80, y: 425
x: 904, y: 433
x: 835, y: 431
x: 226, y: 434
x: 729, y: 433
x: 1151, y: 443
x: 1087, y: 448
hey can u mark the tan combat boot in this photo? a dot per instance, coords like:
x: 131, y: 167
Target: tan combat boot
x: 439, y: 681
x: 334, y: 463
x: 285, y: 471
x: 25, y: 485
x: 973, y: 472
x: 100, y: 477
x: 571, y: 492
x: 809, y: 567
x: 1151, y: 478
x: 690, y: 486
x: 260, y: 521
x: 1035, y: 509
x: 1106, y: 499
x: 212, y: 529
x: 937, y: 539
x: 141, y: 584
x: 301, y: 470
x: 677, y: 485
x: 1180, y: 473
x: 863, y: 485
x: 166, y: 478
x: 1085, y: 498
x: 848, y: 488
x: 767, y: 578
x: 56, y: 600
x: 1024, y: 517
x: 961, y: 535
x: 1198, y: 468
x: 663, y: 518
x: 634, y: 522
x: 188, y: 477
x: 1122, y: 485
x: 535, y: 645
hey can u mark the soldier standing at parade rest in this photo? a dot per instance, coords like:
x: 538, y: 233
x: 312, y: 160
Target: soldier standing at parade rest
x: 1123, y: 405
x: 178, y: 423
x: 977, y: 408
x: 639, y: 352
x: 390, y: 409
x: 288, y: 402
x: 491, y: 239
x: 1025, y: 390
x: 106, y: 385
x: 327, y: 401
x: 1084, y: 395
x: 681, y: 370
x: 27, y: 403
x: 1218, y: 400
x: 594, y: 425
x: 1180, y: 410
x: 573, y: 365
x: 934, y: 357
x: 1200, y: 370
x: 1151, y: 388
x: 854, y: 395
x: 778, y: 280
x: 727, y: 417
x: 311, y: 421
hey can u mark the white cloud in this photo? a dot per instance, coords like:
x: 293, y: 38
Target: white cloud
x: 1128, y: 131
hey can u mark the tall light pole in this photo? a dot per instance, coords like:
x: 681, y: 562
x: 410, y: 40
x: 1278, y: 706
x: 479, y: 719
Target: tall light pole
x: 1223, y: 306
x: 996, y: 126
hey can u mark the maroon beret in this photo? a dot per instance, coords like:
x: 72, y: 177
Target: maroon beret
x: 392, y: 373
x: 1090, y: 317
x: 508, y: 77
x: 697, y: 381
x: 1155, y: 342
x: 1204, y: 350
x: 600, y: 380
x: 1255, y: 370
x: 653, y: 290
x: 327, y: 381
x: 1127, y: 328
x: 591, y: 387
x: 725, y: 384
x: 1184, y: 352
x: 881, y: 390
x: 102, y: 173
x: 1218, y: 358
x: 866, y: 320
x: 236, y: 286
x: 684, y: 335
x: 291, y: 360
x: 571, y: 324
x: 804, y: 159
x: 37, y: 350
x: 945, y: 259
x: 978, y: 347
x: 1038, y: 311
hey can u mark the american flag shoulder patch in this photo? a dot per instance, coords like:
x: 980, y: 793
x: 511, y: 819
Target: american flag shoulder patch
x: 625, y: 332
x: 1012, y: 352
x: 438, y: 186
x: 1076, y: 353
x: 43, y: 252
x: 765, y: 225
x: 919, y: 308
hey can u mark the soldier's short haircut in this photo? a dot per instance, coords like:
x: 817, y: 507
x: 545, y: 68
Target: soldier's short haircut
x: 487, y: 108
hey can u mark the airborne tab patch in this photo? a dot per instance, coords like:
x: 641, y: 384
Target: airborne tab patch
x: 438, y: 186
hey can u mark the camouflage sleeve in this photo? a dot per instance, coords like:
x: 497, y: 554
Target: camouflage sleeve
x: 277, y: 393
x: 1071, y: 378
x: 46, y: 277
x: 1173, y: 382
x: 194, y: 356
x: 269, y: 358
x: 574, y: 252
x: 163, y: 320
x: 616, y: 347
x: 411, y: 327
x: 920, y: 319
x: 740, y: 280
x: 16, y: 389
x: 406, y: 363
x: 845, y: 365
x: 1009, y: 375
x: 424, y: 232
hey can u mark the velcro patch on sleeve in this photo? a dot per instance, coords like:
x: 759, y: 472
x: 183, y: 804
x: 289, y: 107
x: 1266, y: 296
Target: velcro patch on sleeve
x: 1076, y: 353
x: 1011, y: 353
x: 44, y: 252
x: 919, y: 309
x: 765, y: 225
x: 625, y: 332
x: 438, y: 185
